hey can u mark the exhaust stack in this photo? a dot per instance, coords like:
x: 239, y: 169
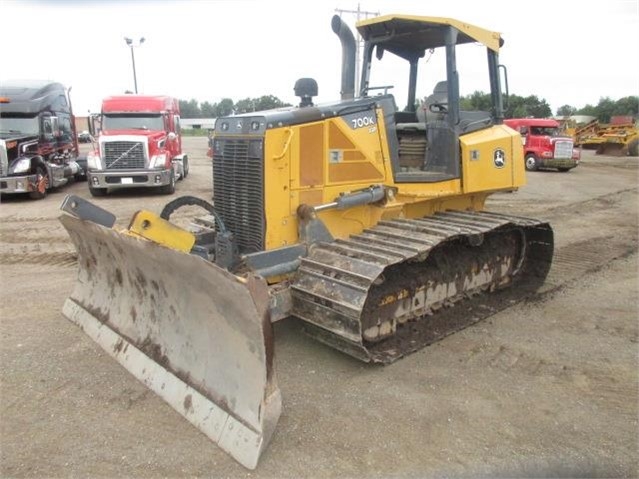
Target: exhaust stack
x: 348, y: 57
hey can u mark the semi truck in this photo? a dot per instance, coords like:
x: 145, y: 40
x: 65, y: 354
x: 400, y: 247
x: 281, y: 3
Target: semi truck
x: 138, y: 145
x: 38, y: 143
x: 545, y: 147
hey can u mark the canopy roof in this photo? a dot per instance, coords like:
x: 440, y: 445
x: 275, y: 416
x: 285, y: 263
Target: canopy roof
x: 410, y: 36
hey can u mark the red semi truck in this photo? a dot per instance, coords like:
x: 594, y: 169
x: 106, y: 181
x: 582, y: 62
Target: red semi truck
x: 544, y: 144
x: 138, y: 145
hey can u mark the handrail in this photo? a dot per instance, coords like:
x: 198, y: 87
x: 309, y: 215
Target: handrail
x: 287, y: 144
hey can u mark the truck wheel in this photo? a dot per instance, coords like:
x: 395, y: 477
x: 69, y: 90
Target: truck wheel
x: 531, y: 162
x: 170, y: 188
x: 97, y: 191
x: 42, y: 184
x: 633, y: 148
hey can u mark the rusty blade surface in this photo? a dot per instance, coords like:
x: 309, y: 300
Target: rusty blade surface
x: 195, y: 334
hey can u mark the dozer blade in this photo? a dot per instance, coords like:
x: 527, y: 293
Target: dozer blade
x: 192, y: 332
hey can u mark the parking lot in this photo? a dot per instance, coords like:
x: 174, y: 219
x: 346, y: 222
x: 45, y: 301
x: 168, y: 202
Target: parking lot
x: 548, y: 387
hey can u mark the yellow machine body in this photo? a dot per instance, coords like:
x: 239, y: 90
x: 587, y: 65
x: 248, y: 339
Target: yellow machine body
x: 299, y: 170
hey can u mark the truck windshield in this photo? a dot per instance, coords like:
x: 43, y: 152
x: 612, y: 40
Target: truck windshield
x: 12, y: 124
x: 544, y: 131
x: 133, y: 122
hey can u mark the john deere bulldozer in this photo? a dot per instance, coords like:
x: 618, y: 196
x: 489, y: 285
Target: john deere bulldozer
x: 362, y: 220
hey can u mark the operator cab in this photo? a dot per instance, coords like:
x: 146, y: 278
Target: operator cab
x: 425, y: 146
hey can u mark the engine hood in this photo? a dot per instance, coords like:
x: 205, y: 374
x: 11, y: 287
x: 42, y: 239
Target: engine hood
x: 149, y: 134
x: 560, y: 138
x: 8, y: 136
x: 259, y: 121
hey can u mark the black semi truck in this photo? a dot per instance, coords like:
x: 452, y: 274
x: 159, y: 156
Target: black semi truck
x: 38, y: 138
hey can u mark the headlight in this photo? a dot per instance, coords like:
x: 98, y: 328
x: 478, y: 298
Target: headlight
x: 158, y: 161
x: 22, y: 166
x: 93, y: 161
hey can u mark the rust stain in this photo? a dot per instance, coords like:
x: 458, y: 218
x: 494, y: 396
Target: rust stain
x: 141, y: 278
x: 188, y: 403
x: 391, y: 298
x: 118, y: 346
x: 154, y: 351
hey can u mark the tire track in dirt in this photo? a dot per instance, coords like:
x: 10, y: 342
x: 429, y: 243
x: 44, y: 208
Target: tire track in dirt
x: 44, y: 259
x: 27, y: 219
x: 577, y: 259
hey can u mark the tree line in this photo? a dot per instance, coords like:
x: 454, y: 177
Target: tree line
x: 193, y: 109
x: 531, y: 106
x: 515, y: 106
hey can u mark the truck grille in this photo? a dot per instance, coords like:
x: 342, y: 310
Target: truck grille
x: 238, y: 190
x: 124, y: 155
x: 563, y: 149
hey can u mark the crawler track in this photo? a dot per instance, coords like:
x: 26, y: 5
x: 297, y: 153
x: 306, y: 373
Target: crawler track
x: 404, y: 284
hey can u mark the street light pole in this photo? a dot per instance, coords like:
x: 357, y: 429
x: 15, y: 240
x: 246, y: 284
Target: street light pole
x: 129, y: 42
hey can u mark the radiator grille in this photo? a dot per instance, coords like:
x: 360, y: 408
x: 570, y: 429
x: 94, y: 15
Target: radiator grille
x: 124, y: 155
x: 238, y: 186
x: 563, y: 149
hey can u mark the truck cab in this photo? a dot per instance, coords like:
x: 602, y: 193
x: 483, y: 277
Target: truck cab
x: 139, y: 144
x: 545, y: 146
x: 38, y: 144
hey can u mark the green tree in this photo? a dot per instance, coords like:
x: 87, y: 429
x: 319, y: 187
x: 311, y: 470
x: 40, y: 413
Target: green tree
x: 516, y: 106
x: 530, y: 106
x: 605, y: 109
x: 566, y: 110
x: 190, y: 109
x: 246, y: 105
x: 628, y: 105
x: 477, y: 101
x: 587, y: 110
x: 268, y: 102
x: 207, y: 110
x: 223, y: 108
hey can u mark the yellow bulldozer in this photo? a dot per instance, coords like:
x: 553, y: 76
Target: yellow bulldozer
x: 620, y: 137
x: 362, y: 220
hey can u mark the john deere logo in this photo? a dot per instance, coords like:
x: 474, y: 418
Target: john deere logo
x: 499, y: 158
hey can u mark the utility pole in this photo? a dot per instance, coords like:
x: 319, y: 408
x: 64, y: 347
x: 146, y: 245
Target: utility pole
x: 359, y: 43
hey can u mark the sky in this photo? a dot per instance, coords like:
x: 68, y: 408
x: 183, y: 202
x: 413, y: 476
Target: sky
x: 564, y: 51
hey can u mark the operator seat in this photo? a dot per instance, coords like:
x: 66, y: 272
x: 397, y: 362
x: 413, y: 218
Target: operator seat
x: 439, y: 97
x: 440, y: 136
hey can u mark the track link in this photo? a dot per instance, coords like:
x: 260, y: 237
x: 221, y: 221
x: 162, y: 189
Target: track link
x: 390, y: 290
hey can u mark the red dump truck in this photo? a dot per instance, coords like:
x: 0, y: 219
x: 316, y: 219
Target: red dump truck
x: 139, y: 145
x: 544, y: 144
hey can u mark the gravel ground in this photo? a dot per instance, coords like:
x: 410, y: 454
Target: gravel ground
x: 545, y: 388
